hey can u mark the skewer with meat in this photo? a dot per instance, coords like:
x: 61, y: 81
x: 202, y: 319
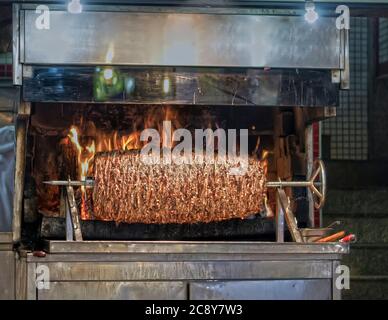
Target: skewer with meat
x: 128, y: 190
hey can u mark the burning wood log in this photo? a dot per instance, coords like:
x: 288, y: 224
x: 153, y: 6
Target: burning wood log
x: 128, y: 190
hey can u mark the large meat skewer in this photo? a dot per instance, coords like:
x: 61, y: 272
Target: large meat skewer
x: 157, y: 202
x: 129, y: 190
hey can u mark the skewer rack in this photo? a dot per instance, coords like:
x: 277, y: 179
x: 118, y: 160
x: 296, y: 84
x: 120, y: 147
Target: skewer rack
x: 316, y: 184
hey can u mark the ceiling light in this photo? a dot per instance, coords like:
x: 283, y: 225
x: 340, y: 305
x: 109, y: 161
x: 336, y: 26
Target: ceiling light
x: 311, y: 15
x: 74, y: 6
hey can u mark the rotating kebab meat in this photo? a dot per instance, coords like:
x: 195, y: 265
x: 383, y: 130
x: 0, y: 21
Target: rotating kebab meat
x: 128, y: 190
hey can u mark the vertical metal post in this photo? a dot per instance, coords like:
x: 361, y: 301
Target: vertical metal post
x: 279, y: 220
x: 72, y: 211
x: 16, y: 66
x: 20, y: 165
x: 345, y: 64
x: 310, y: 162
x: 284, y: 201
x: 69, y: 223
x: 320, y: 156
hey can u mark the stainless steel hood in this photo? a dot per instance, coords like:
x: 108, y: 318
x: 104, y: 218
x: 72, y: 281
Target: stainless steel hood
x: 180, y: 39
x: 207, y: 57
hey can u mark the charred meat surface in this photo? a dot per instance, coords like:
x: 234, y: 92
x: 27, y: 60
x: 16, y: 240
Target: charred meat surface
x: 131, y: 191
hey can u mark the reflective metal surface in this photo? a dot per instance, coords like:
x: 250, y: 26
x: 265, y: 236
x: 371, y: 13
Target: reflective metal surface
x: 17, y: 68
x: 262, y: 290
x: 175, y: 39
x: 185, y: 270
x: 193, y: 270
x: 7, y: 266
x: 7, y: 275
x: 117, y: 290
x: 195, y: 247
x: 193, y: 86
x: 7, y: 171
x: 9, y: 98
x: 5, y: 237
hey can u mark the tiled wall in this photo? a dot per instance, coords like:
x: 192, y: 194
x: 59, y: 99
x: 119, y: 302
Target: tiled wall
x: 348, y: 131
x: 383, y: 40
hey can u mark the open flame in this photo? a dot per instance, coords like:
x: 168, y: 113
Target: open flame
x: 84, y: 157
x: 85, y: 154
x: 89, y: 142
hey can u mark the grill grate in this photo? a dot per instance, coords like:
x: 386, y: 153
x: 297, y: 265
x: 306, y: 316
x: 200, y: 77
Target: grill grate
x: 348, y: 130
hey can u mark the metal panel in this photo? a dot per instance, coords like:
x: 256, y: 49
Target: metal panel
x: 83, y: 290
x: 173, y: 39
x: 224, y: 247
x: 194, y: 86
x: 17, y: 69
x: 193, y: 270
x: 20, y: 166
x: 5, y: 237
x: 21, y: 276
x: 7, y: 275
x: 9, y: 98
x: 121, y: 257
x: 262, y: 290
x: 7, y: 165
x: 31, y: 289
x: 242, y: 3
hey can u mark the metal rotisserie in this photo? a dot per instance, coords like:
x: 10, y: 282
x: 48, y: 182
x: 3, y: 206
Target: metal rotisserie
x: 128, y: 190
x: 104, y: 224
x: 91, y: 112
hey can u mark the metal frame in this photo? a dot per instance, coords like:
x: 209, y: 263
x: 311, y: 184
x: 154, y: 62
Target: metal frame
x: 74, y: 264
x: 16, y: 30
x: 196, y: 248
x: 345, y: 71
x: 216, y: 3
x: 7, y: 266
x: 18, y: 27
x: 234, y: 47
x: 24, y: 111
x: 73, y: 226
x: 78, y: 269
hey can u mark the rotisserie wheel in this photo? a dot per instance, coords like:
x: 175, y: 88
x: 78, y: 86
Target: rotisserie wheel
x: 128, y: 190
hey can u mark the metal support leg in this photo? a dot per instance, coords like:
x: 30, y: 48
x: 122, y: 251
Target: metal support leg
x: 69, y: 224
x: 279, y: 220
x: 289, y: 216
x: 73, y: 226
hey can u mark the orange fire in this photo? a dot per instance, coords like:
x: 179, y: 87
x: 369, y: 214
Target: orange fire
x: 100, y: 141
x: 85, y: 154
x: 84, y: 157
x: 111, y: 142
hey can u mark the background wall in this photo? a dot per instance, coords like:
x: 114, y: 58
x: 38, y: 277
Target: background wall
x: 355, y: 146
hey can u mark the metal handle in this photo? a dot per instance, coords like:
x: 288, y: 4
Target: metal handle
x: 318, y: 189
